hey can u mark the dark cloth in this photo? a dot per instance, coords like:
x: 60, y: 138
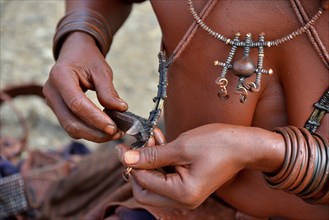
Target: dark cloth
x: 96, y: 189
x: 39, y: 171
x: 7, y: 168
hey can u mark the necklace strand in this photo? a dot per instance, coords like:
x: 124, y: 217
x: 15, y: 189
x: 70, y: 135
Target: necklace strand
x: 245, y: 68
x: 276, y: 42
x: 312, y: 33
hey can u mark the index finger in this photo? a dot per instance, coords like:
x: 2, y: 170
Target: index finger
x: 157, y: 139
x: 83, y: 107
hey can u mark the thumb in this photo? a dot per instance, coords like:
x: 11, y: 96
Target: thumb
x: 150, y: 157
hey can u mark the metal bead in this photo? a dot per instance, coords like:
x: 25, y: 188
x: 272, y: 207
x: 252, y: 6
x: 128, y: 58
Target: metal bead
x: 243, y: 67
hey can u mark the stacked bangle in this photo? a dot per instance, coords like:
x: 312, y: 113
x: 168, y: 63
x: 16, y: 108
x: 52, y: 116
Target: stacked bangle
x: 305, y: 169
x: 87, y: 21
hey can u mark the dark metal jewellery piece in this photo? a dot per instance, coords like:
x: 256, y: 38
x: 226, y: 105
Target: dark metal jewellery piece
x: 162, y: 90
x: 243, y: 68
x: 320, y: 109
x: 221, y: 80
x: 131, y: 124
x: 137, y: 126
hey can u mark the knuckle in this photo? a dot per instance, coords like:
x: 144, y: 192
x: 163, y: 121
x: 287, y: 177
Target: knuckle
x: 151, y: 156
x: 103, y: 70
x: 45, y: 91
x: 97, y: 117
x: 57, y: 69
x: 57, y: 74
x: 102, y: 67
x: 71, y: 128
x: 75, y: 103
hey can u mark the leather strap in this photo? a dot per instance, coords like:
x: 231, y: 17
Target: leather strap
x: 184, y: 42
x: 312, y: 33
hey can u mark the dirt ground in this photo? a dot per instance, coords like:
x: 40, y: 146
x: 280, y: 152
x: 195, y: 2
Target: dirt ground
x: 27, y: 28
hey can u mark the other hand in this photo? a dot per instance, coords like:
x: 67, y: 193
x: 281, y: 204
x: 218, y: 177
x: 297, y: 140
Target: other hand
x: 204, y: 159
x: 81, y: 67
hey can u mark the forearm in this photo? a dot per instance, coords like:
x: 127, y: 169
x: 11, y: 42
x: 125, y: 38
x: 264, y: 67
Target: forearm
x: 250, y: 194
x: 265, y: 150
x: 293, y: 160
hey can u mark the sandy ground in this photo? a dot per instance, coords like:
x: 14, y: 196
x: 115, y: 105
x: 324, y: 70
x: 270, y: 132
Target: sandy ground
x: 27, y: 28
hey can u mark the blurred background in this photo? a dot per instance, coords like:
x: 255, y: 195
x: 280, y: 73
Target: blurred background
x: 27, y: 28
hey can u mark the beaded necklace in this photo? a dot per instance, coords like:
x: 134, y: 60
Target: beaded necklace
x: 244, y: 67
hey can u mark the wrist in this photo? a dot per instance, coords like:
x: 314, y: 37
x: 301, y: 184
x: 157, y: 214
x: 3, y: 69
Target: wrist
x: 77, y: 40
x: 78, y: 44
x: 266, y: 152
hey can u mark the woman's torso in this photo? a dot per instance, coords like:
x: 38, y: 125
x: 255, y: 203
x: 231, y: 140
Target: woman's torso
x: 286, y: 97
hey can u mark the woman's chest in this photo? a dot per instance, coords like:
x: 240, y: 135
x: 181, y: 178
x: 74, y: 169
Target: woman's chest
x: 192, y: 89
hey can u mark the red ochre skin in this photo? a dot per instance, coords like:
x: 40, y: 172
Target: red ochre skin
x: 208, y: 140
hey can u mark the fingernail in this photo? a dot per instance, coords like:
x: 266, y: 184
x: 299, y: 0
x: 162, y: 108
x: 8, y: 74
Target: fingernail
x: 131, y: 157
x: 123, y: 104
x: 118, y: 135
x: 110, y: 129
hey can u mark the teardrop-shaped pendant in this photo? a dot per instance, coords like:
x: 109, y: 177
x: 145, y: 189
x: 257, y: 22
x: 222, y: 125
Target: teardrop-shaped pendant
x: 244, y: 67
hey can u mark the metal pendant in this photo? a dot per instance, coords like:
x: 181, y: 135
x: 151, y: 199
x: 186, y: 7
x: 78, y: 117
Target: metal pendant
x: 243, y: 68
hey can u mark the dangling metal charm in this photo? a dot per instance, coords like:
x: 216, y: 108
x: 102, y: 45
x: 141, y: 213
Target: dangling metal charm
x: 126, y: 173
x: 243, y: 68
